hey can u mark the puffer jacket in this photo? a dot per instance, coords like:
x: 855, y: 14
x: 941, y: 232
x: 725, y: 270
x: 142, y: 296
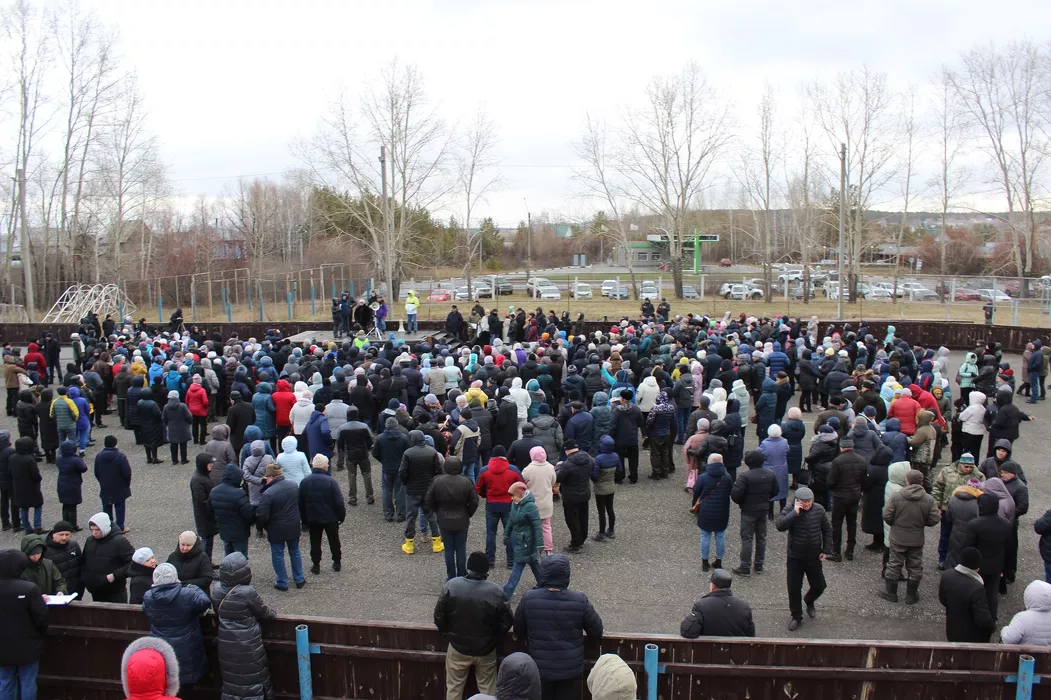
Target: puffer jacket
x: 809, y: 532
x: 278, y: 510
x: 601, y: 416
x: 866, y: 441
x: 766, y: 406
x: 25, y: 475
x: 895, y: 482
x: 553, y: 621
x: 239, y: 609
x: 452, y: 498
x: 233, y: 511
x: 847, y: 475
x: 173, y: 611
x: 221, y: 450
x: 794, y: 430
x: 320, y: 499
x: 1032, y: 625
x: 263, y: 404
x: 897, y: 441
x: 69, y: 559
x: 607, y: 467
x: 908, y: 512
x: 419, y: 465
x: 547, y: 430
x: 1007, y: 419
x: 824, y: 447
x: 44, y: 573
x: 177, y: 420
x: 524, y: 530
x: 293, y: 462
x: 712, y: 489
x: 574, y: 477
x: 775, y: 455
x: 754, y: 489
x: 647, y: 394
x: 110, y: 554
x: 972, y: 418
x: 200, y: 488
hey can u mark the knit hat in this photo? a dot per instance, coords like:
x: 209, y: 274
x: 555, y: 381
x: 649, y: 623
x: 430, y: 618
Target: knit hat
x: 165, y: 574
x: 1009, y: 468
x: 804, y: 494
x: 188, y: 537
x: 498, y: 451
x: 544, y: 409
x: 273, y: 470
x: 478, y: 563
x: 62, y: 526
x: 826, y: 429
x: 142, y: 555
x: 966, y: 458
x: 320, y: 461
x: 173, y: 395
x: 870, y: 411
x: 703, y: 425
x: 975, y: 483
x: 569, y: 444
x: 390, y: 424
x: 846, y: 442
x: 537, y: 454
x: 430, y: 398
x: 971, y: 558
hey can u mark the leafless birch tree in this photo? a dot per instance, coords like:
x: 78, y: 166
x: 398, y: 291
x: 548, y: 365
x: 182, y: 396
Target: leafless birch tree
x: 951, y: 176
x: 475, y: 162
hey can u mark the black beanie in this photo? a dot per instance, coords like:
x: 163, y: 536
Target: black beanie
x: 478, y: 563
x: 971, y: 558
x: 499, y: 451
x: 62, y: 526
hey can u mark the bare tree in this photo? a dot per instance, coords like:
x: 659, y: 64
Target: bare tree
x: 475, y: 163
x: 756, y: 176
x: 906, y: 174
x: 858, y: 110
x: 253, y: 212
x: 804, y: 186
x: 668, y: 147
x: 951, y: 177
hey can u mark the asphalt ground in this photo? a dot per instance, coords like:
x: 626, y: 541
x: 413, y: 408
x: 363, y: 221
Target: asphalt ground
x: 645, y: 581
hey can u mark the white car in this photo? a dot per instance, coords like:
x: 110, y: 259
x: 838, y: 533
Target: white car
x: 791, y: 276
x: 607, y: 285
x: 863, y: 291
x: 549, y: 292
x: 649, y: 291
x: 537, y: 283
x: 741, y: 292
x: 993, y: 295
x: 580, y: 291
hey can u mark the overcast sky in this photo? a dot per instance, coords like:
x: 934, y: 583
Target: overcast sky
x: 230, y: 84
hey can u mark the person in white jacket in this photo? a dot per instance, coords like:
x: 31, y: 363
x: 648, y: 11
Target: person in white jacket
x: 718, y: 406
x: 972, y: 423
x: 740, y: 393
x: 647, y: 394
x: 522, y: 399
x: 1032, y: 625
x: 292, y: 461
x: 300, y: 414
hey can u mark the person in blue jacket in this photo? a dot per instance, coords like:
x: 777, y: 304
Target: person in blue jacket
x: 765, y: 408
x: 319, y: 435
x: 265, y: 414
x: 553, y: 621
x: 83, y: 418
x: 233, y: 511
x: 173, y: 611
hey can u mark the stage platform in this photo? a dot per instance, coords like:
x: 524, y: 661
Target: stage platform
x: 323, y: 336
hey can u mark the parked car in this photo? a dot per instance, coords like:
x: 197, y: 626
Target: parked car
x: 689, y: 291
x: 440, y: 295
x: 580, y: 291
x: 549, y: 292
x: 880, y: 294
x: 993, y: 295
x: 481, y: 291
x: 863, y: 291
x: 607, y: 285
x: 649, y: 291
x: 966, y: 294
x: 504, y: 286
x: 791, y: 276
x: 621, y: 292
x: 536, y: 283
x: 726, y: 262
x: 741, y: 292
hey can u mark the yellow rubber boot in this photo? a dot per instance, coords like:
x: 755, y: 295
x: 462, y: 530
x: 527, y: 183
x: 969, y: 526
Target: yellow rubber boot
x: 436, y: 544
x: 409, y: 547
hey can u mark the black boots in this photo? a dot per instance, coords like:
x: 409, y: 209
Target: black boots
x: 912, y: 592
x: 705, y: 566
x: 891, y: 592
x: 849, y: 554
x: 717, y: 564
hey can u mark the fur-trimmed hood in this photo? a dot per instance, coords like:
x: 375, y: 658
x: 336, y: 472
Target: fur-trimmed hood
x: 149, y: 670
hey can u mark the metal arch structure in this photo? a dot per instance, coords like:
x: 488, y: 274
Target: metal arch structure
x: 80, y: 299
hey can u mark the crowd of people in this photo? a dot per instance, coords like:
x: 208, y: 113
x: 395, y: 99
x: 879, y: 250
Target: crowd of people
x: 525, y: 412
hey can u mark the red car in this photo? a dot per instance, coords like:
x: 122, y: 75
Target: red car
x: 966, y: 294
x: 726, y: 262
x: 440, y: 295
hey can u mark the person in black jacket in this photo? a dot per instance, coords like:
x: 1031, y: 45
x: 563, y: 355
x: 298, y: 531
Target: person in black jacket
x: 574, y: 479
x: 1007, y: 419
x: 278, y: 512
x: 989, y: 534
x: 191, y: 562
x: 419, y: 465
x: 505, y: 427
x: 200, y: 489
x: 627, y: 420
x: 473, y: 614
x: 553, y: 621
x: 753, y: 491
x: 107, y: 555
x: 962, y: 593
x: 355, y: 441
x: 64, y: 552
x: 25, y: 617
x: 453, y: 499
x: 720, y: 613
x: 809, y: 541
x: 238, y: 418
x: 8, y: 506
x: 518, y: 452
x: 388, y: 449
x: 322, y: 508
x: 113, y: 473
x: 25, y: 484
x: 845, y: 480
x: 233, y: 511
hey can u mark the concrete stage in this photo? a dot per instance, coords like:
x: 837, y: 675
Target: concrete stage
x: 323, y: 336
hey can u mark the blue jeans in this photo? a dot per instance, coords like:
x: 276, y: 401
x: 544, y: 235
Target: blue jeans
x: 411, y: 326
x: 455, y: 542
x: 18, y: 681
x: 496, y: 513
x: 277, y: 558
x: 943, y: 538
x: 116, y: 512
x: 683, y: 415
x: 393, y: 496
x: 1047, y: 571
x: 516, y: 576
x: 381, y: 325
x: 1034, y: 386
x: 83, y: 435
x: 706, y: 544
x: 37, y: 516
x: 470, y: 470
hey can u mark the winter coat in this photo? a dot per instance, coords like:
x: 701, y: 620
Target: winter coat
x: 140, y: 578
x: 495, y: 480
x: 775, y: 458
x: 847, y: 475
x: 319, y: 436
x: 320, y: 499
x: 875, y: 487
x: 1032, y: 625
x: 293, y: 462
x: 194, y: 567
x: 173, y: 611
x: 43, y: 573
x: 284, y: 400
x: 574, y: 478
x: 547, y: 430
x: 26, y: 415
x: 151, y: 426
x: 221, y: 450
x: 239, y: 417
x: 580, y: 428
x: 388, y: 449
x: 754, y: 489
x: 1005, y: 507
x: 905, y: 408
x: 1008, y: 418
x: 25, y: 475
x: 239, y: 608
x: 197, y: 400
x: 110, y: 554
x: 972, y: 418
x: 419, y: 465
x: 47, y: 425
x: 908, y: 512
x: 607, y: 467
x: 65, y: 413
x: 178, y: 422
x: 505, y: 427
x: 949, y: 479
x: 719, y: 614
x: 967, y: 616
x: 254, y: 467
x: 601, y: 417
x: 278, y: 510
x: 682, y: 392
x: 300, y: 414
x: 866, y: 441
x: 712, y: 489
x: 553, y: 620
x: 627, y: 419
x: 897, y: 441
x: 809, y: 532
x: 263, y: 404
x: 355, y: 439
x: 473, y: 613
x: 200, y: 489
x: 988, y: 533
x: 231, y: 508
x: 70, y: 474
x: 540, y: 477
x: 794, y: 430
x: 23, y: 611
x: 69, y: 559
x: 1042, y: 527
x: 113, y: 472
x: 766, y: 406
x: 523, y: 529
x: 452, y: 498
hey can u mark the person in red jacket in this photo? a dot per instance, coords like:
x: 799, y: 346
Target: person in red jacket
x: 34, y: 355
x: 904, y: 408
x: 493, y: 483
x: 284, y: 400
x: 927, y: 402
x: 197, y: 402
x: 149, y: 670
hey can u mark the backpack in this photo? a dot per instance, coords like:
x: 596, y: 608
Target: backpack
x: 990, y: 416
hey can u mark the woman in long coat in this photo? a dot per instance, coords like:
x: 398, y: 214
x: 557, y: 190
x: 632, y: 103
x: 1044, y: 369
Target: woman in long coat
x: 151, y: 427
x: 178, y: 423
x: 875, y: 487
x: 239, y: 609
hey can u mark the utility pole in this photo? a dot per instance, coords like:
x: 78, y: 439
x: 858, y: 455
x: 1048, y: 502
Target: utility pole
x: 27, y: 254
x: 388, y: 264
x: 842, y: 222
x: 529, y: 246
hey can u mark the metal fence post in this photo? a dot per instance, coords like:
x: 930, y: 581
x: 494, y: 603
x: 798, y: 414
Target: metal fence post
x: 306, y: 685
x: 652, y: 670
x: 1024, y: 679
